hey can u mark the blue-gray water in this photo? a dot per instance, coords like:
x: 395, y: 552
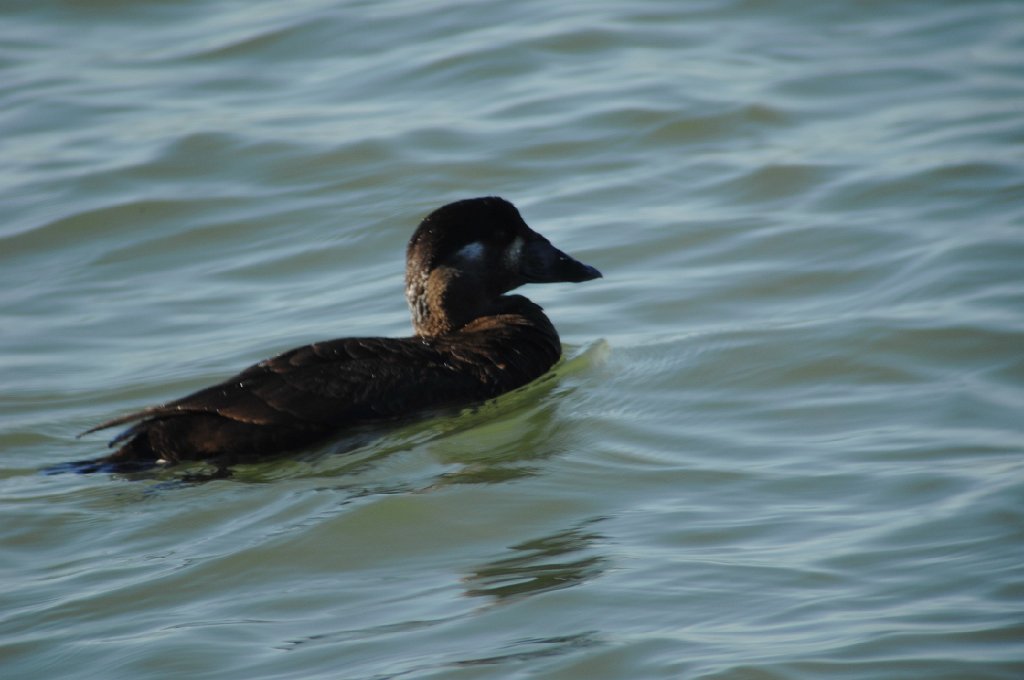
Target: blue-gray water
x: 787, y: 439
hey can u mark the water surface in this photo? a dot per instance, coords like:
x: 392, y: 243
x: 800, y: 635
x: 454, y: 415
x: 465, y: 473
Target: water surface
x: 787, y: 438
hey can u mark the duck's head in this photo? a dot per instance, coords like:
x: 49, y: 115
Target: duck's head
x: 466, y: 254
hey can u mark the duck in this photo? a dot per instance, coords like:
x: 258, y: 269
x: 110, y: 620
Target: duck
x: 472, y: 341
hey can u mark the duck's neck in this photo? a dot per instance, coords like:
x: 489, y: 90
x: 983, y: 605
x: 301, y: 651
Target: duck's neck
x: 444, y: 301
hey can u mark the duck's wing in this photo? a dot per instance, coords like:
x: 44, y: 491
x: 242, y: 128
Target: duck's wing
x: 332, y: 384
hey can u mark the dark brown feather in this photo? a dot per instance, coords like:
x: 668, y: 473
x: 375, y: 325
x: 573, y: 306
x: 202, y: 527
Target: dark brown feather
x: 473, y: 342
x: 311, y: 392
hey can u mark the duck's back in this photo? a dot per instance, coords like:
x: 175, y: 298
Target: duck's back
x: 311, y: 392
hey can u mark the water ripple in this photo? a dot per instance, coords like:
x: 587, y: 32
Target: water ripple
x: 786, y: 439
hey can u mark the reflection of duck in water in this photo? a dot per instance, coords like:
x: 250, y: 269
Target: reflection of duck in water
x: 472, y: 343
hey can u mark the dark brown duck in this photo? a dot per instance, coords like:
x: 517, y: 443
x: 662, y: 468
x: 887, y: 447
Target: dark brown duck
x: 472, y: 342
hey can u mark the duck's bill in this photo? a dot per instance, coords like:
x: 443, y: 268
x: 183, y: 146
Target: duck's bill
x: 544, y: 263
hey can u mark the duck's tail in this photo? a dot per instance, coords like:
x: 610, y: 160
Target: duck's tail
x: 135, y: 455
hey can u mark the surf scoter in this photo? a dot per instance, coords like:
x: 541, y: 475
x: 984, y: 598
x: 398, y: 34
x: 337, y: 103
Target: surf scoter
x: 472, y: 342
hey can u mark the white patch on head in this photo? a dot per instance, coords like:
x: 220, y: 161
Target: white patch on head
x: 472, y: 252
x: 514, y: 253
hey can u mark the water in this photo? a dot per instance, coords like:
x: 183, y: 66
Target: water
x: 786, y: 442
